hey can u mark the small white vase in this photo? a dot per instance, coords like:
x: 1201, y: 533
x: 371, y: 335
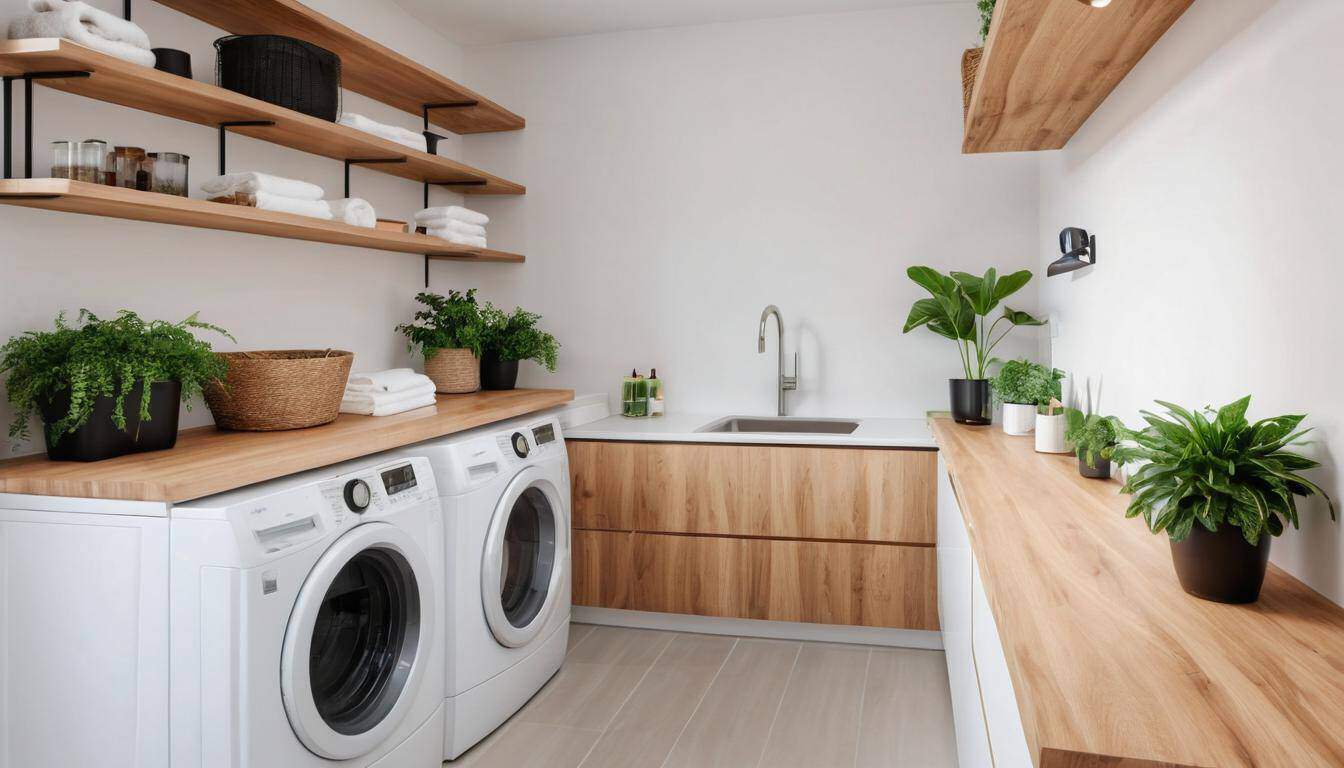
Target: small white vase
x: 1050, y: 433
x: 1019, y: 419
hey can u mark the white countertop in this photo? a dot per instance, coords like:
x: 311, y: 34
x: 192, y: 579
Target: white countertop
x: 681, y: 428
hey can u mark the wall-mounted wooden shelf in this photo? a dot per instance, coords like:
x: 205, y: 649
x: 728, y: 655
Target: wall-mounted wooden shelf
x: 119, y: 203
x: 147, y: 89
x: 1048, y: 65
x: 367, y: 67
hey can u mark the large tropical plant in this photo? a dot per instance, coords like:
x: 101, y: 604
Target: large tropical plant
x: 1214, y: 468
x: 960, y: 308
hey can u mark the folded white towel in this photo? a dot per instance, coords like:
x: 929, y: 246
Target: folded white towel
x: 453, y: 212
x: 317, y: 209
x: 452, y: 225
x: 86, y: 25
x: 387, y: 406
x: 391, y: 380
x: 372, y: 399
x: 355, y: 211
x: 252, y: 182
x: 458, y: 238
x: 402, y: 136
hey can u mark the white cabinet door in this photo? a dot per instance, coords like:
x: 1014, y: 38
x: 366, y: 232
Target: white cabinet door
x: 1002, y: 718
x: 955, y: 567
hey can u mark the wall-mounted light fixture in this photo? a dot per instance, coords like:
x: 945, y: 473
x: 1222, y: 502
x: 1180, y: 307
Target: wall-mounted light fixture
x: 1074, y: 243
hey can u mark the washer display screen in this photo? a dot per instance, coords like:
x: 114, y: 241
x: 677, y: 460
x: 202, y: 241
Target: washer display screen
x: 398, y: 479
x: 544, y: 434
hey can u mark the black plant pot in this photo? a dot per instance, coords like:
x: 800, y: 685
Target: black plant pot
x: 970, y: 401
x: 1100, y: 470
x: 496, y: 373
x: 1221, y: 566
x: 99, y: 438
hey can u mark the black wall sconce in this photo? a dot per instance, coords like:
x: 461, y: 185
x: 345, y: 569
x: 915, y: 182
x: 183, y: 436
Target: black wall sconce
x: 1074, y: 243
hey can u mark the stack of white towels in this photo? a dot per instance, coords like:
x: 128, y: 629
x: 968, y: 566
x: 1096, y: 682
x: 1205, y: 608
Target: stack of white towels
x: 454, y: 224
x: 276, y: 193
x: 402, y: 136
x: 86, y: 25
x: 384, y: 393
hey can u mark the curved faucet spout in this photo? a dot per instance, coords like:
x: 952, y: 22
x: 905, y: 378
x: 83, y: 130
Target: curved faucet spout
x: 786, y: 383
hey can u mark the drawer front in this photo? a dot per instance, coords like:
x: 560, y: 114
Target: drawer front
x: 1002, y: 718
x: 806, y: 581
x: 848, y: 494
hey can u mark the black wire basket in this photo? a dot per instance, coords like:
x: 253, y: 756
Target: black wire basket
x: 282, y: 70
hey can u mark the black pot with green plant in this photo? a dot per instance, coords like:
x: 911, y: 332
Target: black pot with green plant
x: 1221, y: 488
x: 958, y: 311
x: 508, y: 338
x: 1093, y: 437
x: 107, y: 387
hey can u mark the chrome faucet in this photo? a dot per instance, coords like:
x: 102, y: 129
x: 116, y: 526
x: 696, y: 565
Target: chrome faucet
x: 786, y: 383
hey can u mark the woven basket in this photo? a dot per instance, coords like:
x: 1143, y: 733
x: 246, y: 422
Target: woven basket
x: 453, y: 371
x: 281, y: 389
x: 970, y: 67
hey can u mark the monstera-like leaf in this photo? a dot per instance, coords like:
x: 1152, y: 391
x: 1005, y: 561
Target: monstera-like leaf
x: 961, y: 302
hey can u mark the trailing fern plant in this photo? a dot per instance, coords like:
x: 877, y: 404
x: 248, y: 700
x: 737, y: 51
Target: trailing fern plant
x: 1026, y: 383
x: 515, y: 336
x: 1213, y: 468
x: 451, y: 322
x: 103, y: 358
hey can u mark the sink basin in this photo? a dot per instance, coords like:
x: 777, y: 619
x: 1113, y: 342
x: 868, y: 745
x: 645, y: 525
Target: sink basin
x: 782, y: 425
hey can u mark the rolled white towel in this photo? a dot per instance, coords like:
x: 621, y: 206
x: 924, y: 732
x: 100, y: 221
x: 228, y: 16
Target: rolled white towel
x: 453, y: 212
x: 317, y: 209
x: 402, y: 136
x: 355, y: 211
x: 251, y: 182
x: 452, y: 225
x: 86, y: 25
x: 459, y: 239
x: 391, y: 380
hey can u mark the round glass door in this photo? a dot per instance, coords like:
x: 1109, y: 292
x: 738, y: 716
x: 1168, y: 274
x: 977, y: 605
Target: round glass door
x: 349, y: 666
x: 523, y: 563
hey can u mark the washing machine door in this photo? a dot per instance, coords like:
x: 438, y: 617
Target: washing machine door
x: 525, y: 561
x: 357, y: 642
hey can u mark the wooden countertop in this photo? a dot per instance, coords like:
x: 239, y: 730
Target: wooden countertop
x: 1109, y: 656
x: 208, y: 461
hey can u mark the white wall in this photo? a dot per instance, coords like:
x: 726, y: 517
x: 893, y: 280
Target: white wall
x: 681, y: 179
x: 1211, y: 179
x: 271, y: 293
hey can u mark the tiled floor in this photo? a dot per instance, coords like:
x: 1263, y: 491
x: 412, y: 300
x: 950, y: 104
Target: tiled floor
x: 634, y: 697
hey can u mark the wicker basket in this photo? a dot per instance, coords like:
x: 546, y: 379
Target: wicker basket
x: 281, y: 389
x: 970, y: 67
x: 453, y: 371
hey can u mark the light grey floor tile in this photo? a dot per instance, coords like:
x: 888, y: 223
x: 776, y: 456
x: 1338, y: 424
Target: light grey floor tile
x: 577, y: 634
x: 532, y: 745
x: 818, y: 721
x: 907, y: 712
x: 597, y: 678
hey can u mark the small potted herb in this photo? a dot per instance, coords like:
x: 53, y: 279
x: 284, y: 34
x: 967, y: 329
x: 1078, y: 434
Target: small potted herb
x: 1050, y: 427
x: 1220, y: 488
x: 448, y: 332
x: 1093, y: 438
x: 958, y: 311
x: 107, y: 387
x: 508, y: 338
x: 1022, y: 386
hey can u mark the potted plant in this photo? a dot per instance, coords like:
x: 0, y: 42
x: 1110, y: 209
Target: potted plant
x: 970, y: 58
x: 107, y: 387
x: 1022, y: 386
x: 448, y: 332
x: 958, y: 310
x: 1220, y: 488
x: 1051, y: 424
x: 508, y: 338
x: 1093, y: 438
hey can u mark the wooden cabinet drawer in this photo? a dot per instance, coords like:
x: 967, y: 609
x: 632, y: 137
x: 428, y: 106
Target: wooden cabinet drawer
x: 846, y: 494
x: 875, y: 585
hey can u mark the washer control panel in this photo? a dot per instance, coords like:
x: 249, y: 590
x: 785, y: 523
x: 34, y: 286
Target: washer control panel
x: 537, y: 440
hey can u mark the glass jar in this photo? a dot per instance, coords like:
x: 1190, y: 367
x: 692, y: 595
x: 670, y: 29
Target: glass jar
x: 126, y: 164
x: 92, y: 161
x: 64, y: 158
x: 170, y: 173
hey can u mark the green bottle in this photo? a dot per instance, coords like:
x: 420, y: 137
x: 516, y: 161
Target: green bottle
x: 656, y: 405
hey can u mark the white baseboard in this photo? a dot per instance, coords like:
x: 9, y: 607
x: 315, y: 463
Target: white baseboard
x: 779, y: 630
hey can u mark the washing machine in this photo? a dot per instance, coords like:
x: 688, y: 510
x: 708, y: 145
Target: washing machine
x: 504, y: 491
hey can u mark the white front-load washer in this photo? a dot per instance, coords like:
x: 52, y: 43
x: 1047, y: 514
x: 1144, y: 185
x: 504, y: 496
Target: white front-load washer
x: 505, y: 495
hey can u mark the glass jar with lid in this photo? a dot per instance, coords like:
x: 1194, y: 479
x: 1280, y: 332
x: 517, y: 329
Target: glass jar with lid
x: 64, y: 159
x: 92, y: 161
x: 169, y: 173
x: 126, y: 164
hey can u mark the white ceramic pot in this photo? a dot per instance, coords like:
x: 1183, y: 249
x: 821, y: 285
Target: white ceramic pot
x: 1050, y: 433
x: 1019, y: 419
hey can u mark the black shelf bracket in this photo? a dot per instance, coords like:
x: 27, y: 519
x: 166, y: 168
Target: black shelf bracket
x: 27, y: 115
x: 223, y: 131
x: 367, y: 161
x: 425, y: 108
x: 126, y: 9
x: 426, y: 270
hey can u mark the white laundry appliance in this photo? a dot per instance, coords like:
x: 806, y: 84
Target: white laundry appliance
x: 292, y: 623
x: 506, y: 510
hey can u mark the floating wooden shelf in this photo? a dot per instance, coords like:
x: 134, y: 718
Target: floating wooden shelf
x: 147, y: 89
x: 119, y: 203
x: 207, y: 461
x: 1048, y: 65
x: 366, y: 66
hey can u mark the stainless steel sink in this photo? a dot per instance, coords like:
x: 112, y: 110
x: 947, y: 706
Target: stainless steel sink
x: 782, y: 425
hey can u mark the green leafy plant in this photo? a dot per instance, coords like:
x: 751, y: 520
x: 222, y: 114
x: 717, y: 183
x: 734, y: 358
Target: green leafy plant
x: 515, y: 336
x: 1213, y: 468
x: 1026, y: 383
x: 958, y: 310
x: 103, y: 358
x: 986, y: 8
x: 446, y: 322
x: 1093, y: 436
